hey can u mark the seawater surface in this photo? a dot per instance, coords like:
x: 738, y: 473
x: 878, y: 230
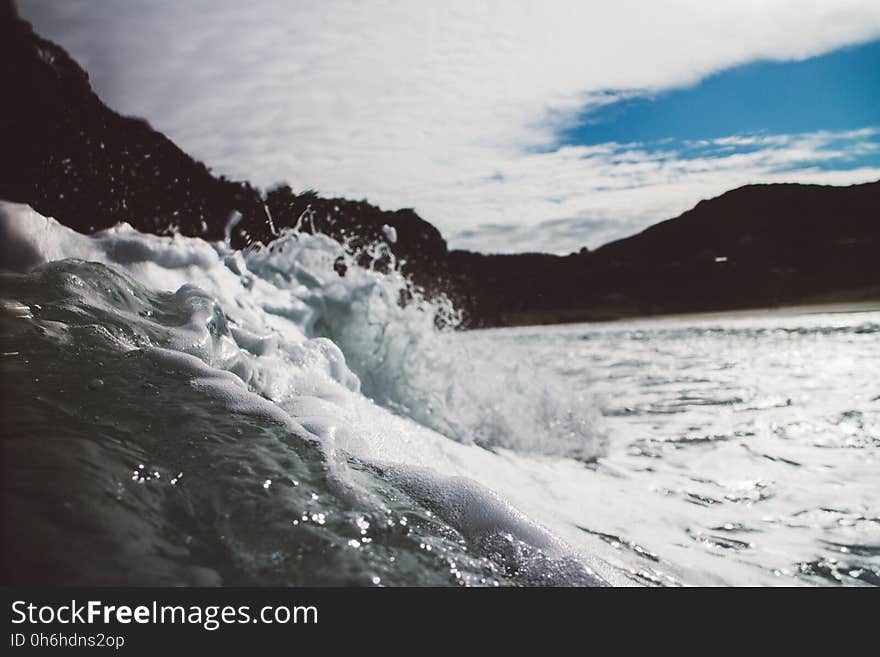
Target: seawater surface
x: 741, y: 449
x: 176, y: 412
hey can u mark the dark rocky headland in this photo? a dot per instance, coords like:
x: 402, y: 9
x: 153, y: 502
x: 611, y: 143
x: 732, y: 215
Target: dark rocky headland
x: 71, y: 157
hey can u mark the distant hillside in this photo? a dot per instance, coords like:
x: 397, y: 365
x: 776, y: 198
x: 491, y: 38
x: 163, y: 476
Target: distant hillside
x: 756, y: 246
x: 71, y: 157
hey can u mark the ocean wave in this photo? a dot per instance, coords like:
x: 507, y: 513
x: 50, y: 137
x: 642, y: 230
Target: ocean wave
x: 215, y: 416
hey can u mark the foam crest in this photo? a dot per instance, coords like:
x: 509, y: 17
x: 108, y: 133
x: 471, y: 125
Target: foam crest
x: 300, y: 334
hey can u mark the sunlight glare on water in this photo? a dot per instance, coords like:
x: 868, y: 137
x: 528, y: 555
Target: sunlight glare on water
x: 742, y: 449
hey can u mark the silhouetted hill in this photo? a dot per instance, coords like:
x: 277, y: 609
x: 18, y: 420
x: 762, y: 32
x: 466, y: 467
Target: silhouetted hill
x: 71, y: 157
x: 756, y: 246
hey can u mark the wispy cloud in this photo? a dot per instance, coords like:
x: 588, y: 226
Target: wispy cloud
x: 454, y: 108
x: 586, y: 196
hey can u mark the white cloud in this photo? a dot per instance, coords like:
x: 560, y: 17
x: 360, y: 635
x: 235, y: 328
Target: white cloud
x: 442, y: 106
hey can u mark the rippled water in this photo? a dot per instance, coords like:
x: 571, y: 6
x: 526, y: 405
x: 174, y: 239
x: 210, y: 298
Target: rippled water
x: 175, y: 412
x: 741, y: 449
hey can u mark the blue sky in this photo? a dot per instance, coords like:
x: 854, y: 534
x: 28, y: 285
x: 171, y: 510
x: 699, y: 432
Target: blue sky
x: 510, y: 124
x: 839, y: 90
x: 835, y: 92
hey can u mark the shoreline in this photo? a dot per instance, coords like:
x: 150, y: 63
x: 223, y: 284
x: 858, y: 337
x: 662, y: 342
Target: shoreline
x: 786, y: 310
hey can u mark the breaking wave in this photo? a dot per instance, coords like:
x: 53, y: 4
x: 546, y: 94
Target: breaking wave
x: 188, y: 413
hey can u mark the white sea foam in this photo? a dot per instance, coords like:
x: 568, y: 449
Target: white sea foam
x: 277, y: 332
